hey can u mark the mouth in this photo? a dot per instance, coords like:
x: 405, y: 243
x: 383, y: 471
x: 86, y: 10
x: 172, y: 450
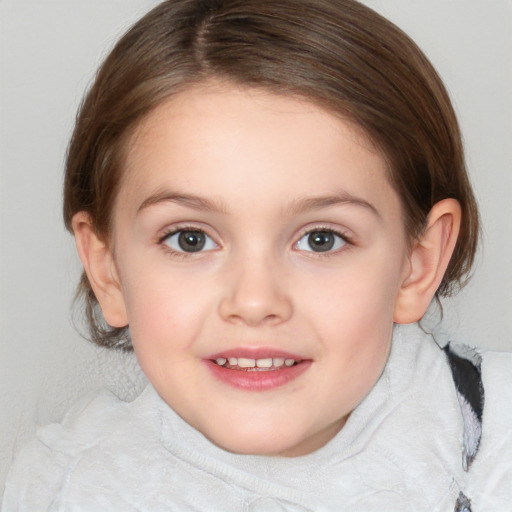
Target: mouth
x: 257, y: 371
x: 255, y: 365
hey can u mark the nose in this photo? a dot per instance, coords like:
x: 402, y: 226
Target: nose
x: 254, y: 294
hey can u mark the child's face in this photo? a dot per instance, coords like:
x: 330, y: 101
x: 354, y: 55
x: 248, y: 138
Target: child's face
x: 258, y: 227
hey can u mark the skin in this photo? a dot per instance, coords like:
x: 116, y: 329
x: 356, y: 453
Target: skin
x: 256, y: 172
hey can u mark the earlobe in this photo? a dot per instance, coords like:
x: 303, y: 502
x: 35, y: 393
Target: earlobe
x: 428, y: 260
x: 100, y: 268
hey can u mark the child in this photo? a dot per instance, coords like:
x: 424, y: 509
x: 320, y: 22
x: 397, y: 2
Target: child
x: 263, y: 194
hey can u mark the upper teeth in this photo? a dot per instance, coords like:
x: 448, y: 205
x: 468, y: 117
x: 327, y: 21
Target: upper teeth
x: 244, y: 362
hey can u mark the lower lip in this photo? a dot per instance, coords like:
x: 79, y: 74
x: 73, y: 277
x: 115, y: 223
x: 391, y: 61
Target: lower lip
x: 258, y: 380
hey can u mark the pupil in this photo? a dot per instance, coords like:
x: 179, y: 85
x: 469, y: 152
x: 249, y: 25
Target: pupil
x: 321, y: 241
x: 191, y: 241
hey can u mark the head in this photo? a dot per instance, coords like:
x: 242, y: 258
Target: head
x: 192, y: 75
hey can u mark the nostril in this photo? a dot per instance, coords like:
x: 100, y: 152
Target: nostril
x: 254, y: 296
x: 252, y: 313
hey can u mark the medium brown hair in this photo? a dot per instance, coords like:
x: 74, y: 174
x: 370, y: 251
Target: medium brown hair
x: 338, y: 54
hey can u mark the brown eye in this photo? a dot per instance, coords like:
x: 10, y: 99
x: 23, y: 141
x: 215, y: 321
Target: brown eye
x: 189, y: 241
x: 320, y: 241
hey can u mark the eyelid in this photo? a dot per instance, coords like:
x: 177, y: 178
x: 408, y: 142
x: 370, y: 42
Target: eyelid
x: 341, y: 231
x: 169, y: 231
x: 184, y: 226
x: 345, y: 234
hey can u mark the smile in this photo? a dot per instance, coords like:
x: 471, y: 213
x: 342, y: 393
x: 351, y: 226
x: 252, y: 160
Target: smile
x: 248, y: 364
x: 256, y: 370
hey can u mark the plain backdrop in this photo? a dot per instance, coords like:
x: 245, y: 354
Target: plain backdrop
x: 49, y: 51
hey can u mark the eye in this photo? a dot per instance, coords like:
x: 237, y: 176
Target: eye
x: 321, y: 241
x: 189, y: 240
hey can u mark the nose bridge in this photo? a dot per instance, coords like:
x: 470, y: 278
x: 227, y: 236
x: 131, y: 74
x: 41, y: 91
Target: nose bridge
x: 256, y: 291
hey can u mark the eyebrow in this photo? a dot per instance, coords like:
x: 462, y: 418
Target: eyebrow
x: 188, y: 200
x: 316, y: 203
x: 297, y: 206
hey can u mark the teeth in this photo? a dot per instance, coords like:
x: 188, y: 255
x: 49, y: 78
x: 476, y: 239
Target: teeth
x: 246, y: 363
x: 243, y: 362
x: 264, y: 363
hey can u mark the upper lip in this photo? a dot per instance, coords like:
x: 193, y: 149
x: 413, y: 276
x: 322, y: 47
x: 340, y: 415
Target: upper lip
x: 255, y: 353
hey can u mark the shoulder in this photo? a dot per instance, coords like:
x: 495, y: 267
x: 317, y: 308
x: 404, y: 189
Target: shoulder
x: 95, y: 428
x: 491, y: 473
x: 483, y: 380
x: 497, y: 371
x: 497, y: 379
x: 464, y: 395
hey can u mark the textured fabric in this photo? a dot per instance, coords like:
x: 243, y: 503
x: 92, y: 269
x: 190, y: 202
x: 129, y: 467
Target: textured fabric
x: 466, y: 366
x: 402, y: 449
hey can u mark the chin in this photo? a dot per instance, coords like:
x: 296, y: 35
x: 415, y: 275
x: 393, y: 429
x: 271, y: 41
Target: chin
x: 244, y: 447
x: 269, y: 443
x: 243, y: 440
x: 270, y: 440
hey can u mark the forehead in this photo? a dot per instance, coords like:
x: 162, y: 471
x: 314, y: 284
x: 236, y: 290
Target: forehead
x: 216, y: 139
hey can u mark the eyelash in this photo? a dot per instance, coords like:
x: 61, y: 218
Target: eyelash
x: 173, y: 231
x: 319, y: 228
x: 348, y: 240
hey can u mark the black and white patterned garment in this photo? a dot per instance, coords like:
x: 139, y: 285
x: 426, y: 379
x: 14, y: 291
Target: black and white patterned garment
x: 465, y: 364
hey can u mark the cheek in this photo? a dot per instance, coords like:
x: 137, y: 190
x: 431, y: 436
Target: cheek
x: 352, y: 311
x: 164, y: 308
x: 166, y: 318
x: 358, y: 294
x: 358, y: 340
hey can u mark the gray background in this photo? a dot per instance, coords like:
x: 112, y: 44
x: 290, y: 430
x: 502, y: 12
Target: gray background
x: 49, y: 51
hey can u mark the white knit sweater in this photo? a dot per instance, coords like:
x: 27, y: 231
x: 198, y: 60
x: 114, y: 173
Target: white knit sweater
x: 400, y: 450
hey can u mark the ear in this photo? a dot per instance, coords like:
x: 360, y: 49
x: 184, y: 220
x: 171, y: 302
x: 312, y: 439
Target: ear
x: 101, y: 271
x: 428, y: 260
